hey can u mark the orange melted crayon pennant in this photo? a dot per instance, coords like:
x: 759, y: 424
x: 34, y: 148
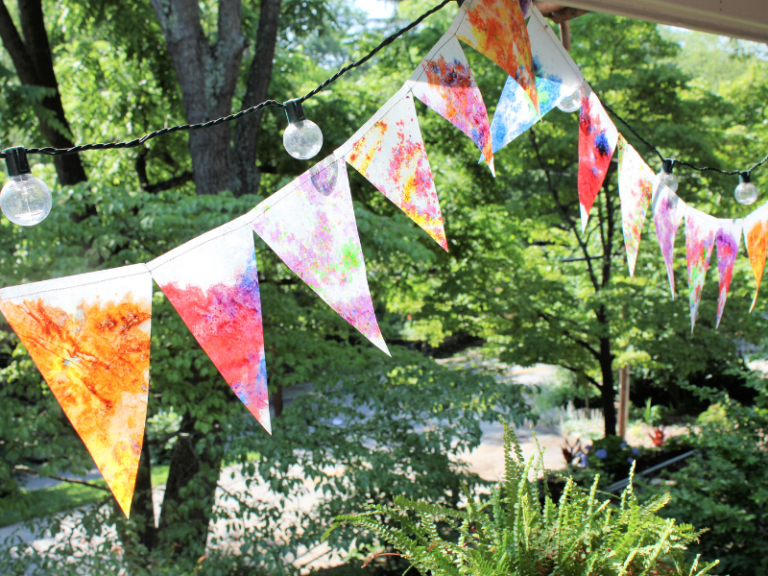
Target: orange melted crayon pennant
x: 389, y: 152
x: 756, y: 239
x: 89, y: 337
x: 496, y: 29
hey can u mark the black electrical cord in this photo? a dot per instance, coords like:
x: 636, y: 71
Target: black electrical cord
x: 269, y: 103
x: 673, y: 161
x: 272, y: 103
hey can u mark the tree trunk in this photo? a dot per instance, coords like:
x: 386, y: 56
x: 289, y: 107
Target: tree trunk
x: 142, y: 508
x: 248, y: 128
x: 33, y: 61
x: 207, y: 76
x: 607, y: 391
x: 190, y: 490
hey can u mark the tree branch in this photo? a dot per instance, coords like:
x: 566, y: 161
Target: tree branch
x: 566, y: 217
x: 141, y: 172
x: 583, y: 343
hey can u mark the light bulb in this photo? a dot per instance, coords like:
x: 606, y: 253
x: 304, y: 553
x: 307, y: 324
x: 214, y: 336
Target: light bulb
x: 666, y: 177
x: 25, y: 200
x: 571, y: 103
x: 302, y: 138
x: 746, y: 192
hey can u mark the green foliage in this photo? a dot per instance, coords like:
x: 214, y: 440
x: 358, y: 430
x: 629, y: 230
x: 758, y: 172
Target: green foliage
x: 514, y: 533
x: 724, y: 487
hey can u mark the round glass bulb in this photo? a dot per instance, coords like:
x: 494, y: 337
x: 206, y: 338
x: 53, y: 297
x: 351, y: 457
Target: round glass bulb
x: 746, y: 193
x: 25, y: 200
x: 668, y: 180
x: 571, y: 103
x: 303, y: 139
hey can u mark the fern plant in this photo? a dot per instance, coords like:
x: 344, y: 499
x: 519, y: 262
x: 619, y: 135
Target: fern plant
x: 513, y: 534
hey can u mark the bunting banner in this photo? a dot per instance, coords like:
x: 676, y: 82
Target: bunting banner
x: 756, y: 240
x: 310, y: 224
x: 668, y: 212
x: 212, y: 283
x: 727, y: 240
x: 597, y: 141
x: 496, y: 29
x: 700, y: 231
x: 557, y: 77
x: 390, y: 153
x: 444, y: 82
x: 89, y: 337
x: 636, y: 182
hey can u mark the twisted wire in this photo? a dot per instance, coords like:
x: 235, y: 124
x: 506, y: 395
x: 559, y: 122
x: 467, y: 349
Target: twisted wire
x: 269, y: 103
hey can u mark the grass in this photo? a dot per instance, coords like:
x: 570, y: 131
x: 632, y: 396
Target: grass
x: 64, y: 496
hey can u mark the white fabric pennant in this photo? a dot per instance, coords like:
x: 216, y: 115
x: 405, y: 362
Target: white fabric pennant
x: 700, y: 232
x: 668, y: 212
x: 89, y: 336
x: 557, y: 77
x: 392, y: 156
x: 756, y: 240
x: 445, y: 83
x: 311, y: 226
x: 727, y: 240
x: 212, y: 282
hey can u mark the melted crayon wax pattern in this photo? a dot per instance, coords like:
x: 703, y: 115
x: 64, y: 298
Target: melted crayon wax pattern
x: 635, y: 190
x: 756, y: 237
x: 401, y: 170
x: 96, y: 362
x: 316, y: 236
x: 452, y: 92
x: 496, y: 29
x: 699, y: 241
x: 597, y: 141
x: 727, y: 241
x: 226, y: 321
x: 667, y: 215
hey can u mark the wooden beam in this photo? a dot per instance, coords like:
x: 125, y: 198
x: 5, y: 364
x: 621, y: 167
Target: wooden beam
x: 565, y: 34
x: 547, y: 8
x: 746, y: 19
x: 567, y: 14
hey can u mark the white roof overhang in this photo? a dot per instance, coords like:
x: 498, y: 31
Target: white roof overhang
x: 747, y: 19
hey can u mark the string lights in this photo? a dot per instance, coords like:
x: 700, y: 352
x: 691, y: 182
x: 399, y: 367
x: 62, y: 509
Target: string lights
x: 302, y: 138
x: 26, y: 200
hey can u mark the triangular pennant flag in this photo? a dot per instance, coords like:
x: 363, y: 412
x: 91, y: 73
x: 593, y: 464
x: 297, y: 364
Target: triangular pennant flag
x: 727, y: 239
x: 444, y: 82
x: 89, y: 337
x: 391, y: 155
x: 525, y: 6
x: 556, y: 78
x: 636, y: 181
x: 311, y: 226
x: 213, y: 284
x: 496, y: 29
x: 597, y: 141
x: 756, y: 239
x: 700, y: 231
x: 668, y: 212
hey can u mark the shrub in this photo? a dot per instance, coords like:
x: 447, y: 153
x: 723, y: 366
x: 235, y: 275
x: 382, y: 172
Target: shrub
x: 726, y: 485
x: 513, y: 534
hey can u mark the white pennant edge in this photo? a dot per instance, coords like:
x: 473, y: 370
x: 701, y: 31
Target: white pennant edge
x: 72, y: 282
x: 223, y: 230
